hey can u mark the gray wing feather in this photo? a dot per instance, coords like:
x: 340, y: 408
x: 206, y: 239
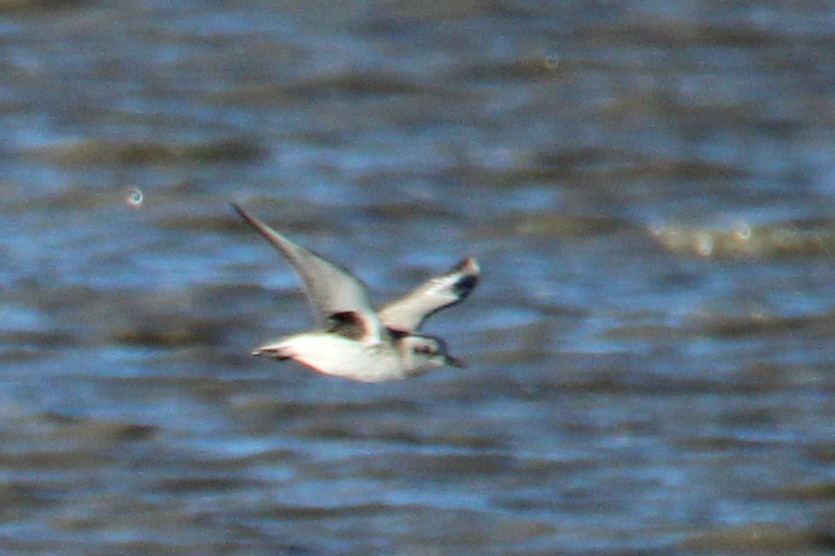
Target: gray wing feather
x: 331, y: 289
x: 407, y: 313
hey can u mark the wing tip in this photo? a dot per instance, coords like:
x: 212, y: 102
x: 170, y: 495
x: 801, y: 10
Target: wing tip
x: 468, y: 265
x: 263, y: 228
x: 469, y: 273
x: 242, y: 213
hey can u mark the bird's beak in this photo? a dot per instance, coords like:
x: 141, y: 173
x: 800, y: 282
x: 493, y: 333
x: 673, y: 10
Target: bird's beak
x: 455, y: 362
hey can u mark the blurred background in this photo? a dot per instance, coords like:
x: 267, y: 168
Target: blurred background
x: 650, y: 189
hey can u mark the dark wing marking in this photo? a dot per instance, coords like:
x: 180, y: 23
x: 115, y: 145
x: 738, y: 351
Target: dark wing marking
x: 331, y: 289
x: 408, y: 312
x: 347, y: 324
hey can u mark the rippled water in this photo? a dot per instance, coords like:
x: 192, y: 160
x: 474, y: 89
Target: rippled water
x: 648, y: 187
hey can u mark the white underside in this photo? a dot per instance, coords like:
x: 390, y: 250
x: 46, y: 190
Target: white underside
x: 336, y: 355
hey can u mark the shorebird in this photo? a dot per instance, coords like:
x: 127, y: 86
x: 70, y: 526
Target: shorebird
x: 354, y: 341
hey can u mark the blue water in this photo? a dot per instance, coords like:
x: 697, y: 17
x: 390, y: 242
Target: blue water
x: 647, y: 188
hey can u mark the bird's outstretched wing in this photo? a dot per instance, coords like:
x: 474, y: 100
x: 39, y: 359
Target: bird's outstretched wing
x: 407, y: 313
x: 331, y: 289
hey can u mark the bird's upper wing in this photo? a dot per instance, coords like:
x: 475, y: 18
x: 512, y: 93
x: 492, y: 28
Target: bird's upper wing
x: 407, y: 313
x: 332, y: 290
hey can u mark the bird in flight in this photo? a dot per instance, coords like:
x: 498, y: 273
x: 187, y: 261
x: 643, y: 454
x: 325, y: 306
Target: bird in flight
x: 351, y: 339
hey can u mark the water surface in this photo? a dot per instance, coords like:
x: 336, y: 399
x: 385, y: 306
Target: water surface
x: 648, y: 187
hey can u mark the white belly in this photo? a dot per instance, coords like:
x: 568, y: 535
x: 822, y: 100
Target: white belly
x: 339, y: 356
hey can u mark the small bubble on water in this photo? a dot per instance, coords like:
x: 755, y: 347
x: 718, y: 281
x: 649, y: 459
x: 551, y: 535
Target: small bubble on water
x: 134, y: 198
x: 742, y: 231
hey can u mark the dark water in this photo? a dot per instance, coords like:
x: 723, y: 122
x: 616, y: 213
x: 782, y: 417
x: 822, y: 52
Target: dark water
x: 650, y: 189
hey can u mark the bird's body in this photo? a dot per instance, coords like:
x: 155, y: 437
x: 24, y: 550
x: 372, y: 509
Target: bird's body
x: 353, y: 340
x: 337, y: 355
